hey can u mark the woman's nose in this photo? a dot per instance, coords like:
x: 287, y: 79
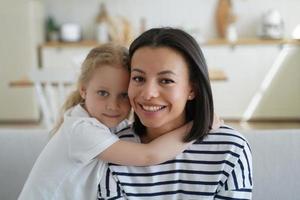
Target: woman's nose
x: 150, y: 90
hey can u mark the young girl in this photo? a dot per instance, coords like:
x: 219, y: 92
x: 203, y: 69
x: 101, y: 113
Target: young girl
x: 74, y: 161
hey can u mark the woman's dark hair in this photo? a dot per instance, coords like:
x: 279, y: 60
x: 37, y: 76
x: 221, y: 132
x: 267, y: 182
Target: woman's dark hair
x: 200, y: 109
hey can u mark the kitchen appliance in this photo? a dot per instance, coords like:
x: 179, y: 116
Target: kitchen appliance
x: 70, y: 32
x: 272, y: 25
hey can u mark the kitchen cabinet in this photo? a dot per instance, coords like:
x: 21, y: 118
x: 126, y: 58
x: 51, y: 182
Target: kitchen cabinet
x: 63, y: 57
x: 56, y: 54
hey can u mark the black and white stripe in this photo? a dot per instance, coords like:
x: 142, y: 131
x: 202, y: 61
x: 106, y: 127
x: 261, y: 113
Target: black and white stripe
x: 219, y: 167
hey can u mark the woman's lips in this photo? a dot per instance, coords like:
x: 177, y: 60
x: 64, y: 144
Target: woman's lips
x: 151, y: 108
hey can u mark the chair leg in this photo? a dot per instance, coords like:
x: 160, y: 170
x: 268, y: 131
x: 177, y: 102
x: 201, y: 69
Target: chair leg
x: 46, y: 115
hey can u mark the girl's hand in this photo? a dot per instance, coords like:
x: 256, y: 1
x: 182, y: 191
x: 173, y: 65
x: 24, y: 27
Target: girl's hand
x: 217, y: 123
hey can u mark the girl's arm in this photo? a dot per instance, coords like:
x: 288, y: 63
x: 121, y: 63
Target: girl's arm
x: 159, y: 150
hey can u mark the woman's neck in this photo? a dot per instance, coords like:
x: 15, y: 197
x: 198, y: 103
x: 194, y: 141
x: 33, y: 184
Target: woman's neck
x: 153, y: 133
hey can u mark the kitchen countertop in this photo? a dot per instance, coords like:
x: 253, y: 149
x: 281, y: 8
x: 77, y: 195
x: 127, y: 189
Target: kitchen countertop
x: 214, y: 75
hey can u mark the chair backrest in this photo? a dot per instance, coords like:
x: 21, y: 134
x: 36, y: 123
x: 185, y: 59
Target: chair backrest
x: 52, y: 86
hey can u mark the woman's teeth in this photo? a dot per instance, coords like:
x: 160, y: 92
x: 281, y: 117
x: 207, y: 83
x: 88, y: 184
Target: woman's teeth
x: 152, y: 108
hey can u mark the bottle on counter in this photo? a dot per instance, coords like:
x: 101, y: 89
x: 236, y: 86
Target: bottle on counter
x: 102, y: 25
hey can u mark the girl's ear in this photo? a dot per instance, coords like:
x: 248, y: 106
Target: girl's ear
x: 82, y: 91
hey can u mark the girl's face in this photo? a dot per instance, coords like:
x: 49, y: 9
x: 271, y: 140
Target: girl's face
x: 159, y: 88
x: 106, y: 96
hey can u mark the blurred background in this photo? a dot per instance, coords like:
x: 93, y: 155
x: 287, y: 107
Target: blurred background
x: 252, y: 49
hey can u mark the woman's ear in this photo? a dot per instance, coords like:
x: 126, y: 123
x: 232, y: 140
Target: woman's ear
x: 192, y: 91
x: 82, y: 91
x: 191, y: 95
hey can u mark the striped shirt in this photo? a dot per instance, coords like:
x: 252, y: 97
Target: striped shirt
x: 219, y: 167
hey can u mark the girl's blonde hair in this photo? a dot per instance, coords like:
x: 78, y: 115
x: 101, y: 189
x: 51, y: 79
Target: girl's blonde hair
x: 106, y: 54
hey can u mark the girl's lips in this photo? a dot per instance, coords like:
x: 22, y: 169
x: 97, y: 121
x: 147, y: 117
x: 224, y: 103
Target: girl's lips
x: 111, y: 116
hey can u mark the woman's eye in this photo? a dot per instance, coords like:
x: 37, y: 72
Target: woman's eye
x: 103, y: 93
x: 166, y: 81
x: 137, y: 79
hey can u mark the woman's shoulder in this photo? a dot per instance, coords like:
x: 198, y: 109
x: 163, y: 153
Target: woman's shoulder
x: 227, y: 132
x: 225, y: 136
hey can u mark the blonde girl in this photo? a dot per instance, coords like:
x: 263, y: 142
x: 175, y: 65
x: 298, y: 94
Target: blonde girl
x: 74, y: 161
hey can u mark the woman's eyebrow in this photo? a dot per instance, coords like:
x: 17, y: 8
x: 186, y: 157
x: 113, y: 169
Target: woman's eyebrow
x: 166, y: 72
x: 159, y: 73
x: 137, y: 70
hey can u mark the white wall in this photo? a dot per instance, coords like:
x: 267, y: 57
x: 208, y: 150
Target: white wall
x: 196, y: 14
x: 281, y: 98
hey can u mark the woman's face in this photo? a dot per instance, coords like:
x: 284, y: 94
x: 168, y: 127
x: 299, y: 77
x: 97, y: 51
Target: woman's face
x: 159, y: 87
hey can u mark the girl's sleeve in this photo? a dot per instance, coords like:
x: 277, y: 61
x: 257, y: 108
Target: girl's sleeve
x: 239, y: 183
x: 88, y: 138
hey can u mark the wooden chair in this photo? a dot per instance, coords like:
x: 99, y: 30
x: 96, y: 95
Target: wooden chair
x: 52, y: 86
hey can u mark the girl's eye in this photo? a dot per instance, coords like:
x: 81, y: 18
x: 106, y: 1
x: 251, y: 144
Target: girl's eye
x: 103, y: 93
x: 166, y: 81
x: 137, y: 79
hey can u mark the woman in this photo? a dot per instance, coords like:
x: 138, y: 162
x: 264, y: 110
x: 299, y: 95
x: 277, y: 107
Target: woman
x: 169, y: 87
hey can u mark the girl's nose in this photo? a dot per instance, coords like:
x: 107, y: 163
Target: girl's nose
x: 112, y: 104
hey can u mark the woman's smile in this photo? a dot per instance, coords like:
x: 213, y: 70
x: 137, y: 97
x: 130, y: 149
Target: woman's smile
x: 152, y: 108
